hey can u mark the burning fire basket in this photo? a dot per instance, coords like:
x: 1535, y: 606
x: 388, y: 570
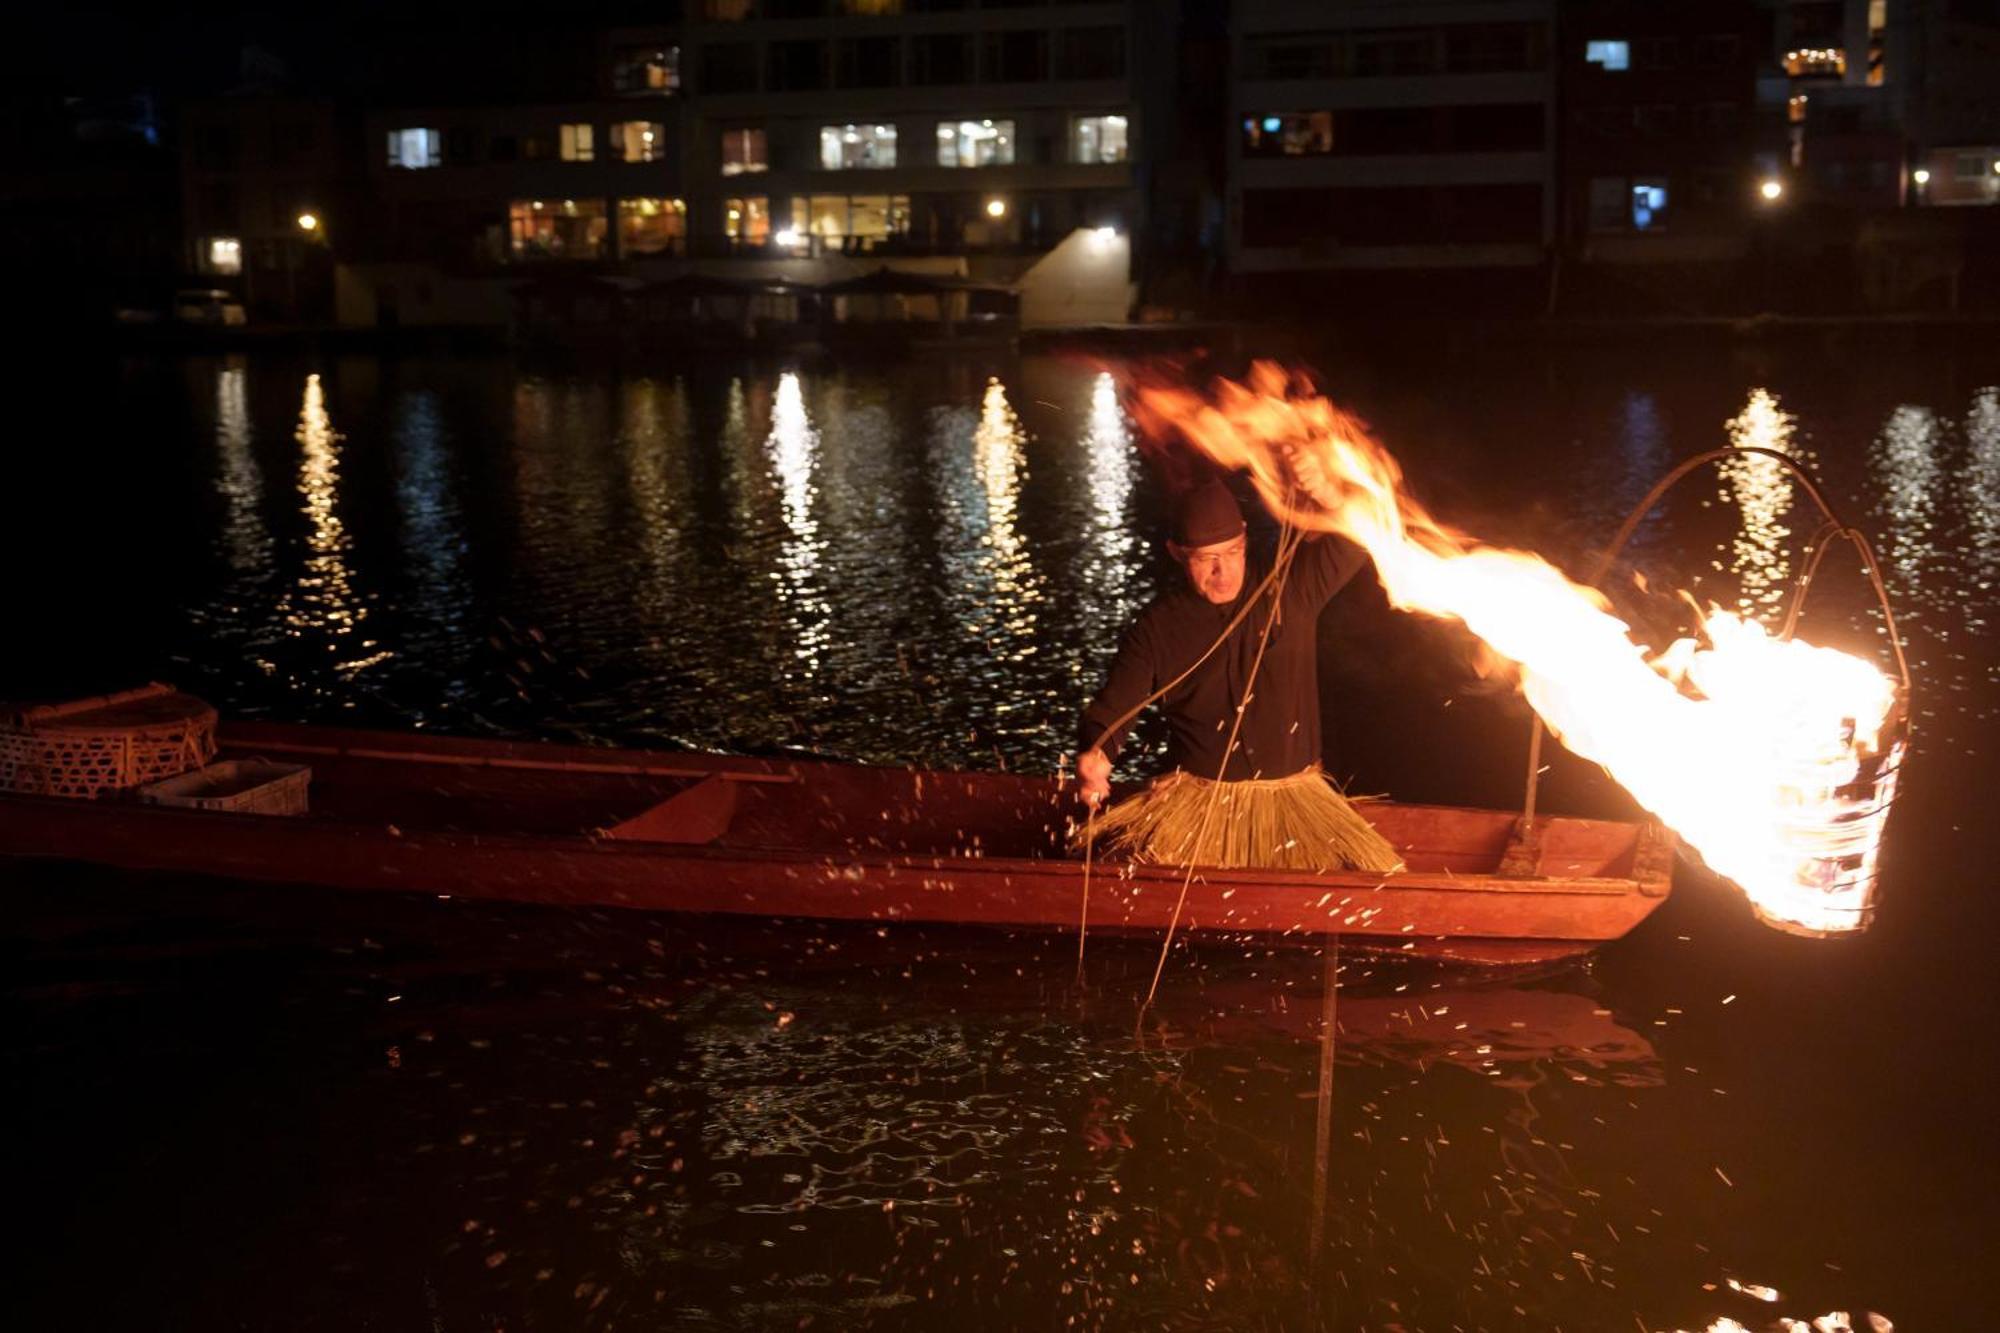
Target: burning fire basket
x: 1833, y: 813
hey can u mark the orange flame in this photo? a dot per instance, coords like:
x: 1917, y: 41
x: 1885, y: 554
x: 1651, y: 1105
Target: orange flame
x: 1762, y: 754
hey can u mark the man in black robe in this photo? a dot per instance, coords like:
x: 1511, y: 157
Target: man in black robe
x: 1276, y: 807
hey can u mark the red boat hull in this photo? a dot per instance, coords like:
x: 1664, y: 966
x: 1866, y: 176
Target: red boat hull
x: 689, y: 833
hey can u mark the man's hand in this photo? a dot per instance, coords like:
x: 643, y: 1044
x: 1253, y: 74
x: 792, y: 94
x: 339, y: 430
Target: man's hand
x: 1093, y: 775
x: 1309, y: 475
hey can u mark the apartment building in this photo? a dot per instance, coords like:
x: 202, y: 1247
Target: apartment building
x: 810, y: 136
x: 264, y: 181
x: 1391, y: 134
x: 1660, y: 134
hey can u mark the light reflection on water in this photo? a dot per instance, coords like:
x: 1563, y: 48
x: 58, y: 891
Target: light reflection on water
x: 246, y: 543
x: 794, y: 449
x: 1761, y: 489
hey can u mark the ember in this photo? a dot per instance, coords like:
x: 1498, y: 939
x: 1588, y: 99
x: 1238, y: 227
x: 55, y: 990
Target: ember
x: 1773, y: 759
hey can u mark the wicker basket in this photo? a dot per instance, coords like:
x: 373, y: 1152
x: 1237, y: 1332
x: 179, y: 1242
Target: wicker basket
x: 105, y: 744
x: 246, y: 786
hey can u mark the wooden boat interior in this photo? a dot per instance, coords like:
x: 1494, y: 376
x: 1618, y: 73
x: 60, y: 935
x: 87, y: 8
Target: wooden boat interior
x: 817, y: 809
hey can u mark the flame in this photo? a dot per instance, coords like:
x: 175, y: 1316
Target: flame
x: 1751, y: 748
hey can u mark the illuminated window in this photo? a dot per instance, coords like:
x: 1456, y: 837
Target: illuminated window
x: 639, y: 140
x: 1649, y: 204
x: 411, y: 149
x: 651, y: 226
x: 1795, y: 108
x: 646, y: 71
x: 743, y: 151
x: 1290, y: 134
x: 1608, y: 55
x: 1097, y: 139
x: 975, y: 143
x: 844, y: 147
x: 557, y: 228
x: 865, y: 217
x: 222, y: 254
x: 578, y: 143
x: 747, y: 220
x: 1811, y: 60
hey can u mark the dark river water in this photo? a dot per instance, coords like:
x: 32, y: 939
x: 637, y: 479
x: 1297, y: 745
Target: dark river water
x: 284, y: 1109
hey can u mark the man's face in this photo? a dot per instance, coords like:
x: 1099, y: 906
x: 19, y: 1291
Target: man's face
x: 1216, y: 572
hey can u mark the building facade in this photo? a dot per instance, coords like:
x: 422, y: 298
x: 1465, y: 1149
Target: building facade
x: 1385, y: 134
x: 1661, y: 145
x: 266, y: 183
x: 799, y: 139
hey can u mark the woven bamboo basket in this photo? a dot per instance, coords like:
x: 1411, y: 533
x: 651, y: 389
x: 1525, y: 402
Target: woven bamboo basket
x: 108, y: 743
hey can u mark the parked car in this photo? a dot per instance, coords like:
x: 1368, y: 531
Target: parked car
x: 213, y: 306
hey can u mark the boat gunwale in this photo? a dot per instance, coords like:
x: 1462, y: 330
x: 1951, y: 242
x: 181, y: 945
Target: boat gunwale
x: 171, y: 817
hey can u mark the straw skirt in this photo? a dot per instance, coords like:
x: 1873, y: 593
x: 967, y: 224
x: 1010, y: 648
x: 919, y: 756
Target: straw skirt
x: 1297, y: 823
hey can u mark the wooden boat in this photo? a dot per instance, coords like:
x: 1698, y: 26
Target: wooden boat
x: 682, y: 832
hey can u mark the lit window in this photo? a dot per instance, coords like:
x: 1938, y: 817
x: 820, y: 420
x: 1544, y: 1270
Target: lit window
x: 578, y: 143
x: 975, y: 143
x: 743, y: 151
x: 646, y: 71
x: 1809, y: 60
x: 1293, y: 134
x: 747, y: 220
x: 651, y: 226
x: 224, y: 254
x: 411, y: 149
x: 1098, y: 139
x: 866, y: 217
x: 1608, y: 55
x: 1649, y: 204
x: 843, y: 147
x: 1795, y: 109
x: 557, y: 228
x: 639, y: 140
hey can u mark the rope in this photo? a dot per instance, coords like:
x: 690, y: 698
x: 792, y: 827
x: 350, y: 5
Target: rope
x: 1083, y: 921
x: 1833, y: 529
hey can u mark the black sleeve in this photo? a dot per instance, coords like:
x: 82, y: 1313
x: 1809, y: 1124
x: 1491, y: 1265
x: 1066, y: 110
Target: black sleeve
x: 1322, y: 568
x: 1133, y: 675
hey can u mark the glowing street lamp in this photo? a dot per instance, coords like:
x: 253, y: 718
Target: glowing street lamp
x: 1922, y: 176
x: 996, y: 208
x: 1771, y: 189
x: 308, y: 222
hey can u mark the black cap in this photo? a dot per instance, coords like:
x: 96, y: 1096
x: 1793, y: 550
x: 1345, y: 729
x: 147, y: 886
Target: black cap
x: 1207, y: 515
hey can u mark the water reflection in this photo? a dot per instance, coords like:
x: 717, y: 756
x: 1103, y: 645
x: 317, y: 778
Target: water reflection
x: 997, y: 461
x: 432, y: 523
x: 246, y: 543
x: 1908, y: 471
x: 1982, y: 485
x: 793, y: 447
x: 324, y: 601
x: 1114, y: 549
x: 1761, y: 489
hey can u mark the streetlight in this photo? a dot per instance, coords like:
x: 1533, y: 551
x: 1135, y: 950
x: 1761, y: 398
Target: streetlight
x: 1922, y: 176
x: 308, y: 222
x: 996, y: 208
x: 1772, y: 189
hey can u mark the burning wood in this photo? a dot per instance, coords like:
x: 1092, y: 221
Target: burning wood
x: 1775, y: 760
